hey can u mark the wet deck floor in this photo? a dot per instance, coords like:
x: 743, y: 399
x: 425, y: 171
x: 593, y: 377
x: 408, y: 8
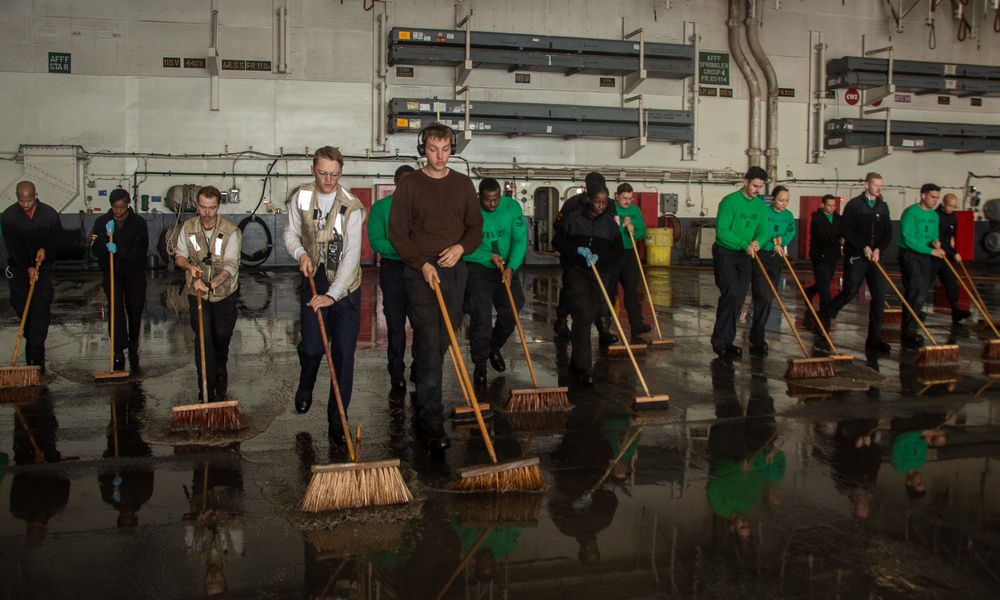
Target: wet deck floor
x: 746, y: 487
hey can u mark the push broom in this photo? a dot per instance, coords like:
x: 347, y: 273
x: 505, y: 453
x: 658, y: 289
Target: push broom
x: 933, y: 354
x: 991, y: 348
x: 648, y: 401
x: 353, y: 484
x: 111, y: 374
x: 522, y: 474
x: 536, y: 399
x: 798, y: 368
x: 660, y: 341
x: 826, y: 336
x: 207, y: 416
x: 22, y: 376
x: 892, y: 316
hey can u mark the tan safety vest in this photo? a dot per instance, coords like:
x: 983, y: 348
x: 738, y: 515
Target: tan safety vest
x: 199, y: 248
x: 314, y: 239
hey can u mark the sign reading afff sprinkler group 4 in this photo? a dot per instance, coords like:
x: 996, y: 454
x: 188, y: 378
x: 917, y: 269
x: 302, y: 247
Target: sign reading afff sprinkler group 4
x: 713, y: 68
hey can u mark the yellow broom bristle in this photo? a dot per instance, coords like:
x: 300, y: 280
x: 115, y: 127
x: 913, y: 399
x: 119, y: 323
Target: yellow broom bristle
x: 106, y: 376
x: 892, y: 316
x: 514, y: 509
x: 937, y: 355
x: 187, y: 420
x: 664, y: 343
x: 523, y: 474
x: 353, y: 485
x: 538, y: 400
x: 991, y: 350
x: 620, y: 351
x: 21, y: 377
x: 810, y: 368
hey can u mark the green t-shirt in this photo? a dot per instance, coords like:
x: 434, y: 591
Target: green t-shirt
x: 504, y: 233
x: 731, y: 490
x: 378, y: 228
x: 740, y: 221
x: 909, y: 451
x: 501, y: 540
x: 635, y: 217
x: 918, y: 228
x: 779, y: 224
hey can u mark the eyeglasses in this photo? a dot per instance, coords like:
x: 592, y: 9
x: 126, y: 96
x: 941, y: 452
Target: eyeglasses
x: 325, y: 175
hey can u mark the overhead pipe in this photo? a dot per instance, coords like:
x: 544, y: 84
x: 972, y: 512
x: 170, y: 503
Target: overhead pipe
x: 753, y: 40
x: 736, y: 50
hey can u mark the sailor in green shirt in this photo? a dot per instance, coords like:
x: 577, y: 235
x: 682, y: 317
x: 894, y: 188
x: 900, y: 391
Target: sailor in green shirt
x: 740, y: 231
x: 780, y: 231
x: 505, y: 241
x: 390, y: 281
x: 626, y: 272
x: 918, y: 241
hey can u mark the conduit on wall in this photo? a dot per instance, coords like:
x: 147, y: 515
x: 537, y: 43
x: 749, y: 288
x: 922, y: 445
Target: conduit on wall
x: 753, y: 40
x: 736, y: 50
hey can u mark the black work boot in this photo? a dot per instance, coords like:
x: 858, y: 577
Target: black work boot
x: 604, y: 335
x: 133, y: 356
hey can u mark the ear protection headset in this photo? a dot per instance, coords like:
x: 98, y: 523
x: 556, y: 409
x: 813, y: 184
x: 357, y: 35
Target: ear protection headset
x: 422, y: 141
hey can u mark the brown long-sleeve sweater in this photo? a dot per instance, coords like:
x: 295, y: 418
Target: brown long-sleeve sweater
x: 429, y: 215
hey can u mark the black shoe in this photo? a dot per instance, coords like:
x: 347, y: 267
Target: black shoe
x: 824, y: 319
x: 436, y: 439
x: 496, y: 359
x: 585, y: 374
x: 398, y: 381
x: 336, y: 434
x: 719, y: 348
x: 303, y: 400
x: 958, y: 315
x: 878, y: 346
x: 604, y: 335
x: 561, y: 328
x: 479, y: 375
x: 734, y: 351
x: 758, y: 351
x: 911, y: 342
x: 119, y: 363
x: 641, y: 328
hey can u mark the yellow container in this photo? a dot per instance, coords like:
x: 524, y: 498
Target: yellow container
x: 659, y: 241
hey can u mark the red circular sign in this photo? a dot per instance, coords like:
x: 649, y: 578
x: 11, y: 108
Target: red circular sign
x: 852, y: 96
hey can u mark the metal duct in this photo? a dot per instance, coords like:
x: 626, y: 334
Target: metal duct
x: 753, y: 41
x: 733, y: 24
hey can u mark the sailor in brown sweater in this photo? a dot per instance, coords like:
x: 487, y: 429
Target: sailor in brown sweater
x: 434, y: 220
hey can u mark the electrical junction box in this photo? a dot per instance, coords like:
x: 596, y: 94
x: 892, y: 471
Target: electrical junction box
x: 668, y: 204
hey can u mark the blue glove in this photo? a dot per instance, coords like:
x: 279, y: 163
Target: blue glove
x: 110, y: 227
x: 587, y: 255
x: 112, y: 247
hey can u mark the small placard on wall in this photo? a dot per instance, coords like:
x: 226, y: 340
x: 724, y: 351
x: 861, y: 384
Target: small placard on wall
x: 60, y: 62
x: 607, y: 82
x: 708, y: 91
x: 976, y: 101
x: 171, y: 62
x: 404, y: 71
x: 258, y: 65
x: 522, y: 77
x: 786, y: 92
x: 944, y: 99
x: 234, y: 65
x: 725, y: 92
x: 195, y: 63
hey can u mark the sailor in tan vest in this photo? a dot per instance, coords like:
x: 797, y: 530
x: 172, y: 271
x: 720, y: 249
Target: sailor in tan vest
x: 324, y: 233
x: 208, y: 248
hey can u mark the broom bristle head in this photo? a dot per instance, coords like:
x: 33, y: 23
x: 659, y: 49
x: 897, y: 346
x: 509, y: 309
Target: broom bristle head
x: 538, y: 400
x: 663, y: 343
x: 810, y: 368
x: 513, y: 509
x: 892, y: 316
x: 354, y: 486
x: 991, y: 350
x: 937, y: 355
x: 518, y: 475
x: 110, y: 375
x: 658, y: 402
x: 21, y: 376
x: 620, y: 351
x: 523, y: 422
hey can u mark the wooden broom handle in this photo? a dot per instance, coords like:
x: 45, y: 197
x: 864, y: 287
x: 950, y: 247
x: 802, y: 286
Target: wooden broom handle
x: 781, y: 304
x: 465, y: 561
x: 458, y: 374
x: 618, y: 325
x: 621, y: 452
x: 913, y: 313
x: 111, y: 329
x: 808, y: 302
x: 24, y: 315
x: 989, y: 321
x: 972, y: 286
x: 520, y: 329
x: 333, y: 376
x: 201, y: 345
x: 645, y: 284
x: 464, y: 372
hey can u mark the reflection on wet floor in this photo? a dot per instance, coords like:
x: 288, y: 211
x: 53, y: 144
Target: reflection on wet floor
x: 880, y: 482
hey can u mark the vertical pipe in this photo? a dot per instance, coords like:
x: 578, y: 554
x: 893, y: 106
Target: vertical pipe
x: 753, y: 41
x: 821, y: 58
x: 733, y: 25
x: 812, y: 99
x: 282, y: 40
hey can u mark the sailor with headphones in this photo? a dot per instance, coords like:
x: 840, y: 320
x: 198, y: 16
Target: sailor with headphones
x: 434, y: 221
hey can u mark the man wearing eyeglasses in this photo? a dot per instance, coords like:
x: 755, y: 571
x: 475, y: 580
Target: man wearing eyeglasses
x: 324, y: 234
